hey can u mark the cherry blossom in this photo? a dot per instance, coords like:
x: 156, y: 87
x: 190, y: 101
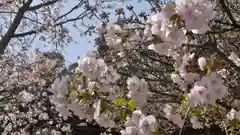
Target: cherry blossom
x: 26, y: 96
x: 138, y: 90
x: 139, y: 124
x: 101, y: 119
x: 104, y: 121
x: 99, y: 90
x: 175, y: 118
x: 113, y: 40
x: 60, y: 90
x: 233, y: 114
x: 223, y: 73
x: 195, y: 123
x: 91, y: 67
x: 202, y: 63
x: 207, y: 90
x: 234, y: 58
x: 196, y: 14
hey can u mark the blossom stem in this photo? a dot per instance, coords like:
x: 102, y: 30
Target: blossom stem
x: 185, y: 117
x: 225, y: 127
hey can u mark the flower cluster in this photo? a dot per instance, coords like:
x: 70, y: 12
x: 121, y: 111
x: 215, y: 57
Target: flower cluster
x: 25, y: 97
x: 139, y: 124
x: 95, y: 78
x: 233, y: 114
x: 207, y: 90
x: 175, y: 118
x: 184, y: 78
x: 98, y: 86
x: 98, y: 74
x: 234, y: 58
x: 138, y: 90
x: 196, y: 14
x: 111, y: 92
x: 60, y: 89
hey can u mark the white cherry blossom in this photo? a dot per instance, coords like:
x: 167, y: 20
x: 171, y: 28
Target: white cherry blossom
x: 139, y: 124
x: 138, y: 90
x: 90, y: 66
x: 78, y: 109
x: 202, y: 63
x: 104, y: 121
x: 223, y: 73
x: 196, y: 14
x: 113, y: 40
x: 175, y: 118
x: 233, y: 114
x: 147, y: 124
x: 60, y: 89
x: 176, y: 78
x: 234, y: 58
x: 26, y: 96
x: 195, y: 123
x: 131, y: 131
x: 207, y: 90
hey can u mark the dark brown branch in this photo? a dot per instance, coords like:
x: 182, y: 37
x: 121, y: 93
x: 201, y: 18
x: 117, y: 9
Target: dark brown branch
x: 70, y: 11
x: 42, y: 5
x: 16, y: 22
x: 228, y: 12
x: 223, y: 56
x: 25, y: 34
x: 214, y: 48
x: 81, y: 16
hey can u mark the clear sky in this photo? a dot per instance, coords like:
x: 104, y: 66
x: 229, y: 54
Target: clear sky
x: 85, y: 43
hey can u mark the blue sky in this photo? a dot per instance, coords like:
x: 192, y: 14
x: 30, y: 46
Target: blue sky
x: 85, y: 43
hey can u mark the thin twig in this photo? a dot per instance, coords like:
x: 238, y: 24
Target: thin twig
x: 185, y: 117
x: 225, y: 127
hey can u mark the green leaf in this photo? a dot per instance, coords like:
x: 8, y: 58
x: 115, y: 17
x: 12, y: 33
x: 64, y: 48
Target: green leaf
x: 131, y: 104
x: 184, y: 101
x: 208, y: 68
x: 196, y: 112
x: 104, y: 107
x: 84, y: 95
x: 156, y: 132
x: 123, y: 114
x: 120, y: 101
x: 79, y: 74
x: 73, y: 86
x: 84, y: 78
x: 174, y: 18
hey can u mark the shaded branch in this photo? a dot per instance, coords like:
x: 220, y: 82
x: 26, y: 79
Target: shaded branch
x: 81, y: 16
x: 228, y: 12
x: 25, y: 34
x: 16, y: 22
x: 223, y: 56
x: 70, y: 11
x: 42, y: 5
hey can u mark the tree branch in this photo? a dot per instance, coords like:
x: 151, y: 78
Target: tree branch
x: 25, y: 34
x: 223, y: 56
x: 70, y: 11
x: 228, y: 12
x: 16, y: 22
x: 80, y: 16
x: 42, y: 5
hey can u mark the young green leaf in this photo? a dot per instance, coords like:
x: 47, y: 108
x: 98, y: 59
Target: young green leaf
x: 156, y: 132
x: 131, y: 104
x: 120, y: 101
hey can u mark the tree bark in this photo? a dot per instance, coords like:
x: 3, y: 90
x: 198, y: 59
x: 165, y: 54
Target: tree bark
x: 16, y: 22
